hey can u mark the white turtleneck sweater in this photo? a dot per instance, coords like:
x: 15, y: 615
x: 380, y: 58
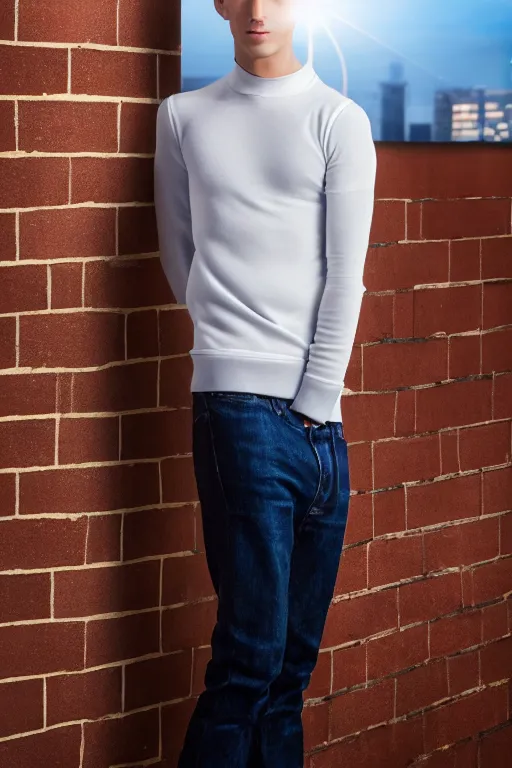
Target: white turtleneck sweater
x: 264, y: 194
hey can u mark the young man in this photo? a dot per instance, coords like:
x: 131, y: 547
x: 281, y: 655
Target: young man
x: 264, y: 194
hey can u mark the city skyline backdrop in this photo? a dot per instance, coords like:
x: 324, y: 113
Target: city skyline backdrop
x: 429, y: 45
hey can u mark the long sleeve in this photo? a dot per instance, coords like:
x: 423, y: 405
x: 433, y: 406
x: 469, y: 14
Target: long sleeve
x: 349, y: 189
x: 172, y: 203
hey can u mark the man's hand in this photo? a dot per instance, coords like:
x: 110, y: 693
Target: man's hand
x: 308, y: 422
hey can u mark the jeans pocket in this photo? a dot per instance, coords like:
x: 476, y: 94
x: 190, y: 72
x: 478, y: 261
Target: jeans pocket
x: 281, y: 406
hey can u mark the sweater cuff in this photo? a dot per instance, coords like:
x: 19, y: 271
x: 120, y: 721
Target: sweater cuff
x: 316, y: 398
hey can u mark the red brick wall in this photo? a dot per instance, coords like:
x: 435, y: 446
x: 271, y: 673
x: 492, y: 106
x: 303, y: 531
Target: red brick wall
x: 106, y: 606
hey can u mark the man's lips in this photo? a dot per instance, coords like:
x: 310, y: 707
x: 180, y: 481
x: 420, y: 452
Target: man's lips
x: 251, y: 32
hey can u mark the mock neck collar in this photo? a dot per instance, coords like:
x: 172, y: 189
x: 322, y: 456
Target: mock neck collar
x: 286, y: 85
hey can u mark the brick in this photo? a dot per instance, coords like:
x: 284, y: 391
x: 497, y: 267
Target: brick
x: 70, y: 339
x: 389, y: 512
x: 7, y: 15
x: 116, y: 639
x: 137, y: 230
x: 496, y: 660
x: 391, y: 365
x: 7, y: 342
x: 403, y: 316
x: 391, y: 745
x: 496, y: 257
x: 464, y: 356
x: 138, y: 126
x: 26, y: 394
x: 70, y: 491
x: 178, y: 480
x: 454, y: 633
x: 463, y: 544
x: 362, y: 708
x: 388, y: 222
x: 67, y: 233
x: 495, y: 744
x: 406, y: 459
x: 400, y: 266
x: 429, y: 598
x: 494, y: 617
x: 63, y: 22
x: 175, y: 375
x: 484, y: 446
x: 36, y: 649
x: 421, y: 687
x: 490, y: 581
x: 152, y: 681
x: 455, y: 404
x: 449, y: 440
x: 7, y: 131
x: 27, y: 442
x: 465, y: 260
x: 113, y: 73
x: 111, y: 180
x: 66, y: 285
x: 58, y: 747
x: 104, y: 538
x: 376, y: 318
x: 465, y: 717
x: 24, y: 597
x: 153, y: 532
x: 188, y: 625
x: 461, y: 171
x: 413, y: 214
x: 361, y: 617
x: 142, y: 334
x: 497, y: 490
x: 33, y: 181
x: 349, y: 666
x: 42, y: 543
x: 7, y: 235
x: 316, y: 724
x: 157, y: 434
x: 30, y: 70
x: 22, y: 707
x: 497, y: 302
x: 121, y: 739
x: 24, y: 288
x: 465, y: 218
x: 169, y: 75
x: 97, y: 440
x: 7, y: 496
x: 392, y: 560
x: 107, y: 589
x: 186, y: 579
x: 506, y: 534
x: 119, y: 388
x: 463, y: 672
x: 84, y: 695
x: 397, y: 651
x: 447, y: 310
x: 443, y: 501
x: 318, y: 686
x: 74, y: 126
x: 353, y: 570
x: 497, y: 351
x: 405, y: 412
x: 125, y: 283
x: 150, y: 24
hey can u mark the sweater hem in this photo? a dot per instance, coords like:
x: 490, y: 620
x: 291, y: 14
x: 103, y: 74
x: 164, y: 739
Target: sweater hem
x: 276, y: 376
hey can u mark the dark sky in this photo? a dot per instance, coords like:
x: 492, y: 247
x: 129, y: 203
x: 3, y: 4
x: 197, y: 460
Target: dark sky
x: 439, y: 43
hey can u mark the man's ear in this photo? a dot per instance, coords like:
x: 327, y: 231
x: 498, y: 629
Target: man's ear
x: 220, y: 7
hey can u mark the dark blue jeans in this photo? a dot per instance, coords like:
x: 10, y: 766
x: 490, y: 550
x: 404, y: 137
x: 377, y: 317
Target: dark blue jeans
x: 274, y: 499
